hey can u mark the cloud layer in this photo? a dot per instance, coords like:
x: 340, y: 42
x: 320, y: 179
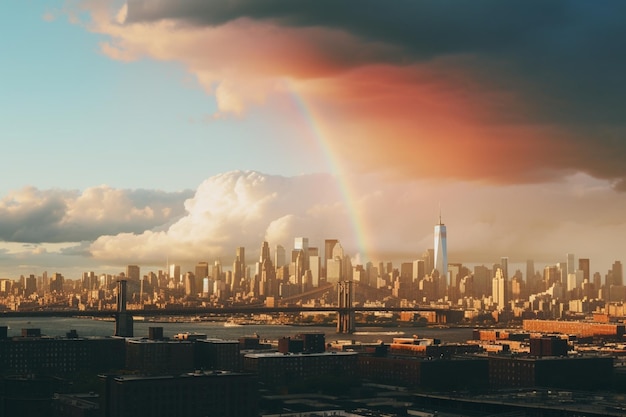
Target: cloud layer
x: 31, y: 215
x: 236, y: 209
x: 515, y: 92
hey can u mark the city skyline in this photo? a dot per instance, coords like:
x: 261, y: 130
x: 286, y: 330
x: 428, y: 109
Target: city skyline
x: 137, y: 132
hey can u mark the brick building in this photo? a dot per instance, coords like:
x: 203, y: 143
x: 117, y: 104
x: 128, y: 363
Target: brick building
x: 198, y: 394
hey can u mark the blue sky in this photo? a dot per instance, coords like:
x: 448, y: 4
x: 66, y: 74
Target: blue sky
x: 186, y: 129
x: 72, y: 117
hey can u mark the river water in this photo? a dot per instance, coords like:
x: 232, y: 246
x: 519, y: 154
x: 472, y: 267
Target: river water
x: 59, y: 326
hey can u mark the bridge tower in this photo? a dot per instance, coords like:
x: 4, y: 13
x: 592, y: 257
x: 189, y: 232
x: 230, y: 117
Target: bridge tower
x: 345, y: 314
x: 123, y: 319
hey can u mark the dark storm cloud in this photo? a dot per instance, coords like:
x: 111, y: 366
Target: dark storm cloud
x: 572, y: 52
x: 36, y: 216
x: 564, y: 60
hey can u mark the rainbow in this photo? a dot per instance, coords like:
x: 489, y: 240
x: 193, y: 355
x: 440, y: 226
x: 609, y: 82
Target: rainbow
x: 346, y: 189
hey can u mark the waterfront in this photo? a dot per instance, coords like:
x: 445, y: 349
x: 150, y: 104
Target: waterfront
x: 85, y: 327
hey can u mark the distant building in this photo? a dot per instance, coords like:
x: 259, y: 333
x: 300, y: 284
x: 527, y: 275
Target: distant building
x: 499, y: 289
x: 284, y: 370
x: 441, y: 252
x: 159, y: 356
x: 303, y: 343
x: 583, y: 265
x: 218, y: 354
x: 195, y: 394
x: 56, y: 283
x: 425, y: 373
x: 617, y: 274
x: 201, y: 272
x: 36, y: 354
x: 133, y: 273
x: 279, y: 256
x: 175, y: 272
x: 329, y: 246
x: 557, y: 372
x: 578, y: 328
x: 548, y: 346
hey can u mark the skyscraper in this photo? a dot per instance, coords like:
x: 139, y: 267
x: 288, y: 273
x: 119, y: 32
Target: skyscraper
x: 571, y: 268
x: 617, y: 274
x: 583, y: 265
x: 530, y: 270
x: 202, y: 271
x: 301, y: 244
x: 504, y: 264
x: 279, y: 256
x: 174, y: 272
x: 132, y: 273
x: 329, y: 245
x: 441, y: 251
x: 498, y: 289
x: 265, y: 252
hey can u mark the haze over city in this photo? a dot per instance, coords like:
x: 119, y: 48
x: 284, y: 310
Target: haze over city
x: 147, y: 131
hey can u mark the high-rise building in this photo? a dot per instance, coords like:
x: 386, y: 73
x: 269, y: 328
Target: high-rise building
x: 314, y: 267
x: 499, y: 293
x: 530, y: 270
x: 175, y: 272
x: 418, y: 269
x: 132, y: 273
x: 216, y: 271
x: 190, y: 284
x: 571, y: 268
x: 302, y: 244
x: 239, y: 268
x: 335, y: 265
x: 504, y: 264
x: 550, y: 275
x: 202, y: 269
x: 441, y: 251
x: 279, y: 256
x: 56, y: 283
x: 583, y: 265
x: 617, y: 274
x: 202, y: 272
x: 329, y: 245
x: 31, y: 285
x: 429, y: 260
x: 265, y: 252
x: 482, y: 280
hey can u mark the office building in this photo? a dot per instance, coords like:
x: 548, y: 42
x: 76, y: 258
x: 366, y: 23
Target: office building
x: 441, y: 252
x: 174, y: 272
x: 504, y: 265
x: 571, y: 267
x: 499, y: 289
x: 189, y: 281
x: 279, y: 256
x: 329, y: 246
x: 617, y: 274
x: 133, y: 273
x: 301, y: 244
x: 314, y: 267
x: 583, y: 265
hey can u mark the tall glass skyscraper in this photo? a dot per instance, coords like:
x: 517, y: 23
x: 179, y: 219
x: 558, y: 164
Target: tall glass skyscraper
x: 441, y: 251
